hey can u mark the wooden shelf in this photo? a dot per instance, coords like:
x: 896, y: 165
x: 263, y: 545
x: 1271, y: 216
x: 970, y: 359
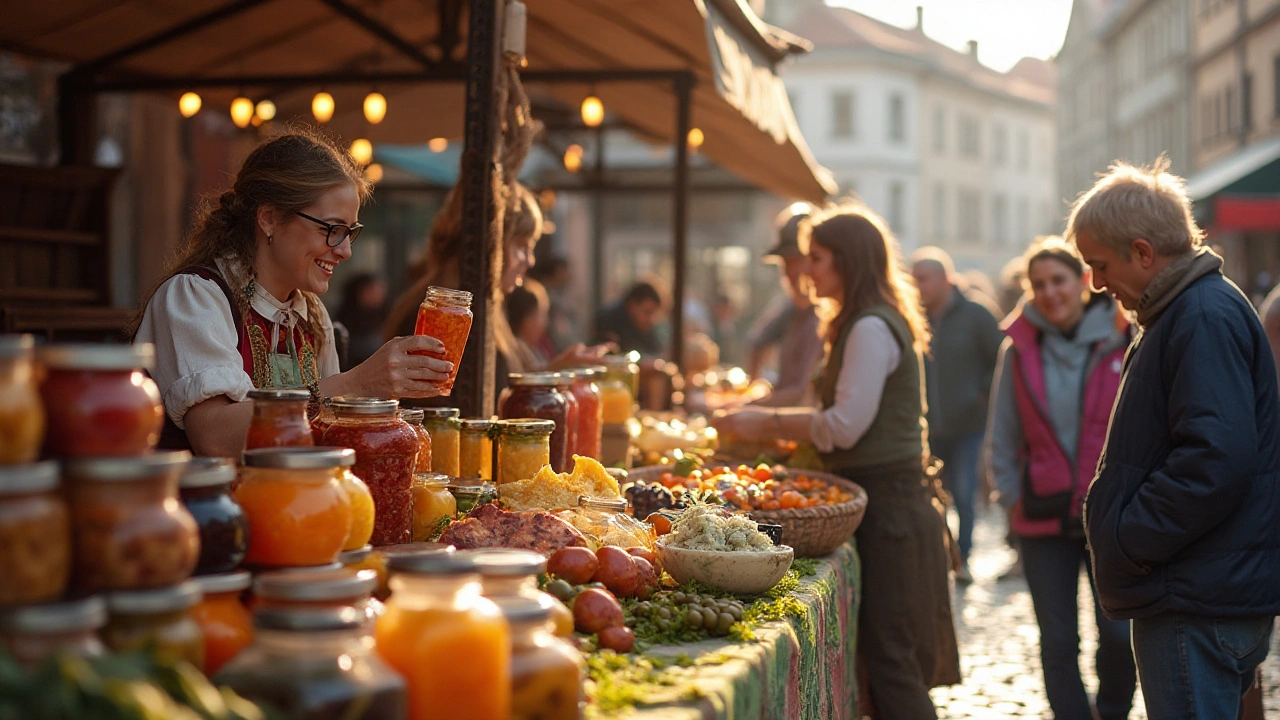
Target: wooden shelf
x: 39, y: 235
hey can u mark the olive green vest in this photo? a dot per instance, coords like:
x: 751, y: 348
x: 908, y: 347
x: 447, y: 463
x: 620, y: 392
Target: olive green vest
x: 897, y: 432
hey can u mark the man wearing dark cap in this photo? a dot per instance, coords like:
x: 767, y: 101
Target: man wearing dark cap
x: 790, y: 322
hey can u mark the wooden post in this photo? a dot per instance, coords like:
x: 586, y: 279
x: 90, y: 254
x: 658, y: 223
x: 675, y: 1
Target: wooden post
x: 680, y: 215
x: 597, y: 233
x: 475, y: 384
x: 77, y: 121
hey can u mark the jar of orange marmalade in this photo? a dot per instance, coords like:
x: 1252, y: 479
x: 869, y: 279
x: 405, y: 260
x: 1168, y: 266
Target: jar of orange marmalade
x: 223, y: 618
x: 279, y: 419
x: 298, y: 513
x: 446, y: 316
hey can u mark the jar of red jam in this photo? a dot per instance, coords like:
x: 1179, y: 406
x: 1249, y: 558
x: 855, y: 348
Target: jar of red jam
x: 279, y: 419
x: 386, y: 455
x: 446, y: 316
x: 537, y: 395
x: 590, y: 411
x: 565, y: 386
x: 414, y: 417
x: 205, y: 489
x: 21, y: 415
x: 99, y: 402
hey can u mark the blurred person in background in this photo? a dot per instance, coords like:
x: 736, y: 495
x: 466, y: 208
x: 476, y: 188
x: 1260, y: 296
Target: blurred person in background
x: 632, y: 322
x: 725, y: 330
x: 565, y: 322
x: 966, y: 341
x: 528, y: 312
x: 363, y: 310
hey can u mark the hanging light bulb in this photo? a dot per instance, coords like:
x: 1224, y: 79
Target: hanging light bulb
x: 438, y: 145
x: 189, y: 104
x: 322, y: 106
x: 573, y: 158
x: 265, y: 110
x: 241, y: 111
x: 362, y: 151
x: 696, y: 138
x: 375, y: 107
x: 592, y: 111
x: 374, y: 173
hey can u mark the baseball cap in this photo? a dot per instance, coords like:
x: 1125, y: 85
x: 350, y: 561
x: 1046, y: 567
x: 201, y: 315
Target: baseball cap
x: 788, y: 224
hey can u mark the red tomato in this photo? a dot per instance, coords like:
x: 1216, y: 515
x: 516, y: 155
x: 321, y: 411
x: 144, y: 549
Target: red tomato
x: 643, y: 552
x: 617, y: 571
x: 617, y: 638
x: 595, y: 610
x: 574, y: 565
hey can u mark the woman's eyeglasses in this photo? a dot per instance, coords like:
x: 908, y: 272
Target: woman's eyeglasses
x: 335, y: 233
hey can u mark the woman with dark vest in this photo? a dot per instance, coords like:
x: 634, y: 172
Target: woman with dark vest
x: 1055, y: 384
x: 240, y: 308
x: 869, y: 426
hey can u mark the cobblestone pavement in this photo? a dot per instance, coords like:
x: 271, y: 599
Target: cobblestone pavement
x: 1000, y: 643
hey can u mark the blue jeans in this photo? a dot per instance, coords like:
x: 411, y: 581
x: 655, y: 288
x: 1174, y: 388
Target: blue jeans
x: 1195, y: 667
x: 1052, y: 568
x: 960, y: 477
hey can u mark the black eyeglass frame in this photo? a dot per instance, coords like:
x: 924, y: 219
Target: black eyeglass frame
x: 352, y: 231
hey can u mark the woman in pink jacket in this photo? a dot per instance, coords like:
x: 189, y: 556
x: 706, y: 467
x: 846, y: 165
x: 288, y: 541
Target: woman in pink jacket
x: 1055, y: 383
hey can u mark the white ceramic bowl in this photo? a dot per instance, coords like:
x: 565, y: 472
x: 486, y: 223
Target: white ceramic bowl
x: 740, y: 572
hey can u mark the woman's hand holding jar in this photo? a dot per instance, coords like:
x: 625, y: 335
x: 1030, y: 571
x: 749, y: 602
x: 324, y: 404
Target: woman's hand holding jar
x: 395, y: 371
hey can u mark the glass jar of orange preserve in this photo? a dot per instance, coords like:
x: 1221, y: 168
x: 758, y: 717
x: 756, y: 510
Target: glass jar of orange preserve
x: 279, y: 419
x: 443, y: 426
x: 386, y: 454
x: 432, y: 503
x: 475, y: 450
x: 298, y: 513
x: 449, y: 643
x: 414, y: 417
x: 223, y: 618
x: 446, y: 316
x: 524, y: 447
x: 21, y: 414
x: 546, y: 671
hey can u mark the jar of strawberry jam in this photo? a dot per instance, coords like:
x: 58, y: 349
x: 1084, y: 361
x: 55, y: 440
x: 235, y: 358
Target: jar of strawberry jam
x: 279, y: 419
x: 538, y: 395
x: 386, y: 455
x: 99, y: 402
x: 446, y: 316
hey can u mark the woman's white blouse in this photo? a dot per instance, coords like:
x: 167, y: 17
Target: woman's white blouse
x: 870, y: 356
x: 190, y: 323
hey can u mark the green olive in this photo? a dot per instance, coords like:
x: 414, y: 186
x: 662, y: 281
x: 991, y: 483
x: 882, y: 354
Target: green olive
x: 561, y: 590
x: 664, y: 613
x: 723, y: 623
x: 709, y: 620
x: 664, y: 624
x: 678, y: 596
x: 735, y: 612
x: 692, y: 618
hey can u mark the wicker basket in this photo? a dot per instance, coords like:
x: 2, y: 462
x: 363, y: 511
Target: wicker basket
x: 813, y: 531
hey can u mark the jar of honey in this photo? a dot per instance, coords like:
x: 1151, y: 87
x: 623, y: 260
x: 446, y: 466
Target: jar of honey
x: 99, y: 402
x: 446, y: 316
x: 21, y: 414
x: 443, y: 426
x: 279, y: 419
x: 131, y: 532
x: 433, y: 506
x: 414, y: 417
x: 618, y: 389
x: 524, y: 447
x: 331, y: 589
x: 386, y: 454
x: 33, y: 633
x: 537, y: 395
x: 223, y: 618
x: 546, y: 671
x: 205, y: 489
x: 156, y: 620
x: 298, y: 513
x: 450, y: 643
x: 475, y: 450
x: 590, y: 410
x: 35, y: 534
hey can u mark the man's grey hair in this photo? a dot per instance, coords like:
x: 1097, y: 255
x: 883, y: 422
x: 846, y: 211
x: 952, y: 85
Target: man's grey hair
x: 934, y: 258
x: 1131, y: 202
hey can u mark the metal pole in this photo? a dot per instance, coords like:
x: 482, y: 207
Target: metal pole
x: 597, y: 230
x: 475, y: 384
x: 680, y: 216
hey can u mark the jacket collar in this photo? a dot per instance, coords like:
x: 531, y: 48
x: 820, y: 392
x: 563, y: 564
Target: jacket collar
x: 1173, y: 280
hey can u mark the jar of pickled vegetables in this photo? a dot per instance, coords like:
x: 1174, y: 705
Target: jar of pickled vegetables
x: 546, y: 671
x: 332, y: 589
x: 279, y: 419
x: 537, y: 395
x: 451, y: 644
x: 156, y: 620
x: 205, y: 489
x: 362, y: 509
x: 445, y: 315
x: 386, y: 454
x: 35, y: 534
x: 524, y: 447
x: 21, y: 414
x: 99, y: 402
x: 590, y: 411
x: 618, y: 389
x: 443, y: 426
x: 314, y: 664
x: 33, y: 633
x: 414, y: 417
x: 131, y: 532
x: 298, y: 513
x: 223, y: 618
x: 475, y: 450
x: 433, y: 505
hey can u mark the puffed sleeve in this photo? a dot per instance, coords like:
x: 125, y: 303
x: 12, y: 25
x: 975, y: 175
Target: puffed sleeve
x: 327, y: 364
x: 190, y: 323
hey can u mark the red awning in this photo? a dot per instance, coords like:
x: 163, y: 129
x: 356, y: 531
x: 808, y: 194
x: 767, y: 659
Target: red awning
x: 1244, y: 213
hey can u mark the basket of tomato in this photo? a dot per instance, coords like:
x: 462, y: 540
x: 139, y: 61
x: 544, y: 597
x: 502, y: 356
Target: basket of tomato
x: 818, y: 511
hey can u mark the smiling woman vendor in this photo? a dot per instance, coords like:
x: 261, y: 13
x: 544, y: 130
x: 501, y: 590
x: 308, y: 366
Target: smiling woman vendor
x: 239, y: 309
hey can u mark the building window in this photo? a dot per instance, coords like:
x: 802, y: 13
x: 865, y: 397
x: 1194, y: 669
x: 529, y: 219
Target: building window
x: 1024, y: 222
x: 999, y: 221
x: 897, y: 118
x: 1246, y: 101
x: 969, y: 215
x: 939, y: 212
x: 969, y: 142
x: 1024, y: 151
x: 897, y: 216
x: 843, y: 107
x: 1233, y: 111
x: 940, y: 119
x: 999, y: 138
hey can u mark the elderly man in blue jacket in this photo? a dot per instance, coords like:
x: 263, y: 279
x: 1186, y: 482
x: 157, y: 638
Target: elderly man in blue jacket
x: 1183, y: 517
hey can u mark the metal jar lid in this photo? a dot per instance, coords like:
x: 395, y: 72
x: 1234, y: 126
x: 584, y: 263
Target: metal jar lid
x: 280, y: 394
x: 300, y: 458
x: 431, y: 479
x: 433, y: 563
x: 56, y: 618
x: 440, y: 413
x: 413, y: 416
x: 237, y: 581
x: 507, y: 562
x: 587, y: 373
x: 205, y: 472
x: 477, y: 425
x: 363, y: 406
x: 294, y: 619
x: 526, y: 426
x: 359, y: 555
x: 16, y: 346
x: 539, y: 379
x: 84, y: 356
x: 108, y: 469
x: 154, y: 602
x: 341, y: 584
x: 31, y: 478
x: 519, y: 610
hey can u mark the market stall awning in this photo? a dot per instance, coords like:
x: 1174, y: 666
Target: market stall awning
x: 1241, y: 192
x: 739, y: 102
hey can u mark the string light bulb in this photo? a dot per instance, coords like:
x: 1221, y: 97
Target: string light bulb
x: 438, y: 144
x: 696, y: 138
x: 362, y: 151
x: 322, y: 106
x: 592, y: 111
x: 189, y: 104
x: 374, y: 173
x: 266, y: 110
x: 375, y: 107
x: 241, y: 111
x: 573, y: 158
